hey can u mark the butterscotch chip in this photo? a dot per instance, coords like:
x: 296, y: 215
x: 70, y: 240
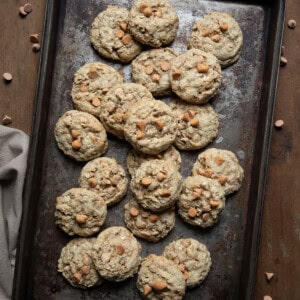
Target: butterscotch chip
x: 6, y: 120
x: 76, y: 144
x: 80, y: 212
x: 219, y: 160
x: 159, y: 124
x: 36, y: 47
x: 28, y: 8
x: 119, y: 33
x: 93, y: 73
x: 219, y: 34
x: 165, y: 66
x: 85, y: 270
x: 153, y: 218
x: 192, y: 113
x: 146, y: 181
x: 134, y: 212
x: 140, y: 135
x: 292, y: 24
x: 163, y: 276
x: 193, y: 205
x: 192, y: 257
x: 155, y: 77
x: 149, y: 70
x: 75, y: 133
x: 202, y: 68
x: 208, y: 173
x: 176, y: 74
x: 279, y: 124
x: 147, y: 11
x: 269, y: 276
x: 160, y: 176
x: 216, y: 38
x: 126, y: 39
x: 7, y: 77
x: 92, y: 182
x: 34, y: 38
x: 81, y: 219
x: 214, y: 203
x: 192, y: 212
x: 77, y: 276
x: 142, y: 7
x: 147, y: 289
x: 161, y: 194
x: 120, y: 250
x: 108, y: 33
x: 116, y: 265
x: 195, y: 122
x: 22, y: 11
x: 222, y: 180
x: 224, y: 26
x: 151, y: 227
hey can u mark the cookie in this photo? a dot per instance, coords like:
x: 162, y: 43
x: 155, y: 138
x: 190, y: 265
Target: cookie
x: 156, y: 185
x: 136, y: 158
x: 80, y: 211
x: 152, y: 69
x: 91, y: 84
x: 218, y: 33
x: 201, y: 201
x: 115, y: 105
x: 110, y: 36
x: 116, y: 254
x: 222, y: 166
x: 146, y: 225
x: 196, y: 76
x: 80, y: 135
x: 160, y: 278
x: 150, y: 127
x: 105, y: 177
x: 197, y: 125
x: 153, y: 22
x: 76, y: 264
x: 192, y: 257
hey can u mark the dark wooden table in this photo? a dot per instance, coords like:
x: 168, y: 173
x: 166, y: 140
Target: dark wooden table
x: 280, y: 238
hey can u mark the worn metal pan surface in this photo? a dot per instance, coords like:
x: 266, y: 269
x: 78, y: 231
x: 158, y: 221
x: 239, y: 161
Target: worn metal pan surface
x: 245, y: 104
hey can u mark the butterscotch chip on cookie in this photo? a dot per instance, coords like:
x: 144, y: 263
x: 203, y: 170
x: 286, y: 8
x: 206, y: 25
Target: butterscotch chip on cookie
x: 201, y: 201
x: 160, y: 278
x: 196, y: 76
x: 150, y: 127
x: 197, y: 125
x: 218, y: 33
x: 116, y: 254
x: 80, y: 211
x: 105, y: 177
x: 222, y: 166
x: 91, y: 83
x: 80, y: 135
x: 110, y: 35
x: 116, y: 103
x: 153, y: 22
x: 192, y: 258
x: 136, y: 158
x: 152, y: 69
x: 147, y: 225
x: 76, y: 264
x: 156, y: 185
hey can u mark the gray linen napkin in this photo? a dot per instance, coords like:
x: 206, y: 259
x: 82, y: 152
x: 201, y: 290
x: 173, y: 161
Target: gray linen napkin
x: 13, y: 159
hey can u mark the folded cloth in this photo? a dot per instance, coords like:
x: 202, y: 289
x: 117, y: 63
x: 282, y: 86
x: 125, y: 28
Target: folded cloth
x: 13, y: 159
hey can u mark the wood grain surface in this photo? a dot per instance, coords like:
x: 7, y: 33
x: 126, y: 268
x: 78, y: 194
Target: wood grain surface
x: 280, y: 238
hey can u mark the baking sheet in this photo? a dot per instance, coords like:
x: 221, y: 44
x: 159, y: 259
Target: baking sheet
x: 244, y: 104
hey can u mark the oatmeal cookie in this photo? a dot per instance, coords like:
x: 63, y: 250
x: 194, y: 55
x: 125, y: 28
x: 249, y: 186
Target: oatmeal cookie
x: 222, y: 166
x: 80, y: 211
x: 150, y: 127
x: 153, y: 22
x: 105, y: 177
x: 201, y: 201
x: 116, y: 254
x: 197, y: 125
x: 152, y: 69
x: 156, y: 185
x: 192, y: 258
x: 116, y: 103
x: 218, y: 33
x: 196, y: 76
x: 91, y: 84
x: 80, y: 135
x: 160, y: 278
x: 110, y: 36
x: 146, y: 225
x: 136, y: 158
x: 76, y: 264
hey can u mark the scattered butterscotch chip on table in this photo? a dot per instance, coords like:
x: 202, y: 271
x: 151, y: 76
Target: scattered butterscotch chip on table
x: 34, y: 38
x: 267, y: 297
x: 283, y: 61
x: 7, y: 77
x: 36, y: 47
x: 22, y: 11
x: 27, y: 8
x: 6, y: 120
x: 269, y: 276
x: 292, y: 24
x: 279, y: 124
